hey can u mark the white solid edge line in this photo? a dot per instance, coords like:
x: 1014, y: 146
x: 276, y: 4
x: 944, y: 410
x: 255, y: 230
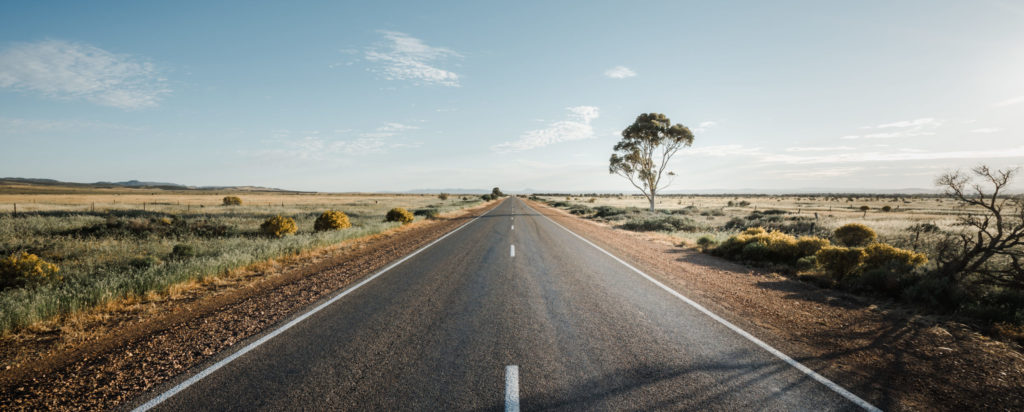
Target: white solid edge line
x: 512, y: 388
x: 213, y: 368
x: 799, y: 366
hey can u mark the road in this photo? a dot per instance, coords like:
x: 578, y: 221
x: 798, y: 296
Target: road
x: 510, y: 293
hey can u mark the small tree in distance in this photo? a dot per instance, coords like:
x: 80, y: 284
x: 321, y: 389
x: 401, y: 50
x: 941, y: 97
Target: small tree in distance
x: 496, y: 193
x: 646, y: 147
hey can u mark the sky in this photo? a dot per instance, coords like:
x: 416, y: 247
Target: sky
x: 523, y: 95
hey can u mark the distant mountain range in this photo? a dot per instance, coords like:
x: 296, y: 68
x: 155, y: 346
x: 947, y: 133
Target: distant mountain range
x: 130, y: 184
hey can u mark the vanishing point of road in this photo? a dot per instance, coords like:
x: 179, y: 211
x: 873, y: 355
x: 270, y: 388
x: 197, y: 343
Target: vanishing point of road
x: 509, y: 312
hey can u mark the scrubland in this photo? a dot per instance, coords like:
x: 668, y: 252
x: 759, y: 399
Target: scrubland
x: 109, y: 244
x: 797, y: 236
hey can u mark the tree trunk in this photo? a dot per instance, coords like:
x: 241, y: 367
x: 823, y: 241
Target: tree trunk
x: 652, y: 202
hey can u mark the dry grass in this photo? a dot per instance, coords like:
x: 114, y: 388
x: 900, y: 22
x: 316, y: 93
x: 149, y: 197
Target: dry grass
x: 115, y: 245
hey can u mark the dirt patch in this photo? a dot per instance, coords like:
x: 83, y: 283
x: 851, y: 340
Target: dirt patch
x: 105, y: 357
x: 888, y: 355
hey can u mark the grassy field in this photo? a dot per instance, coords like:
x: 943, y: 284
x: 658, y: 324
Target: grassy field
x: 710, y: 215
x: 116, y: 243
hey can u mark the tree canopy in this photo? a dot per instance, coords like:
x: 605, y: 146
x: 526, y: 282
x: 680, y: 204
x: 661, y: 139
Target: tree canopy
x: 646, y: 147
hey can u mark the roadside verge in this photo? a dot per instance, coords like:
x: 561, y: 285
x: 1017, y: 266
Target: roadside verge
x: 888, y: 356
x: 158, y: 340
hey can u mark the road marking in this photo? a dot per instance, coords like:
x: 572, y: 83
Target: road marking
x: 223, y: 362
x: 792, y: 362
x: 513, y: 227
x: 513, y: 251
x: 512, y: 388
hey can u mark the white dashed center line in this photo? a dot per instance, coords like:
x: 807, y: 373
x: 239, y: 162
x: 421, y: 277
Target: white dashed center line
x: 513, y: 250
x: 512, y: 388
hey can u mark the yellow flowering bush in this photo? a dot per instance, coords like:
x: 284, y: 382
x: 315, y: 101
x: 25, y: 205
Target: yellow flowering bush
x: 26, y: 268
x: 331, y: 220
x: 399, y: 214
x: 279, y: 226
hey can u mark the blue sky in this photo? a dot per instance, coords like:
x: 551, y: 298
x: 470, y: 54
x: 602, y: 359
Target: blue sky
x: 412, y: 95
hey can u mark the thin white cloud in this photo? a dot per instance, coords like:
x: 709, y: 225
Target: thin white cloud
x: 817, y: 173
x: 388, y: 130
x: 724, y: 150
x: 922, y: 122
x: 578, y: 127
x: 619, y: 72
x: 64, y: 70
x: 986, y: 130
x: 705, y: 126
x: 311, y: 146
x: 17, y: 126
x: 404, y: 57
x: 818, y: 149
x: 900, y: 129
x: 1009, y: 102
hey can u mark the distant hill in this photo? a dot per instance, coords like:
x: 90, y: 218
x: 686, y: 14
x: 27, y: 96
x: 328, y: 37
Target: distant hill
x: 135, y: 184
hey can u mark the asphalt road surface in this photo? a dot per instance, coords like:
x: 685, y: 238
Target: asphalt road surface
x: 510, y: 310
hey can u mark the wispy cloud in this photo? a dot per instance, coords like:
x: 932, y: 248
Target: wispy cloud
x: 724, y: 150
x: 388, y: 130
x: 65, y: 70
x: 901, y: 129
x: 19, y: 126
x: 818, y: 173
x: 818, y: 149
x: 986, y: 130
x: 576, y: 128
x: 403, y: 57
x: 1009, y: 102
x: 705, y: 126
x: 619, y: 72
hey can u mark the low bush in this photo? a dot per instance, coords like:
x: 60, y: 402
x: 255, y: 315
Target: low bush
x: 443, y: 196
x: 810, y: 245
x: 22, y: 269
x: 232, y: 201
x: 881, y: 255
x: 429, y: 213
x: 580, y: 210
x: 854, y: 235
x: 608, y: 211
x: 840, y: 262
x: 399, y: 214
x: 279, y: 226
x: 661, y: 224
x: 184, y: 251
x: 705, y: 243
x: 331, y: 220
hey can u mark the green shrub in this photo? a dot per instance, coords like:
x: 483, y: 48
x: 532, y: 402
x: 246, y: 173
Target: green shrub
x: 279, y: 226
x: 183, y: 251
x: 608, y: 211
x: 752, y: 231
x: 232, y: 201
x: 809, y: 245
x: 399, y: 214
x: 840, y: 262
x: 936, y: 293
x: 144, y: 262
x: 661, y: 224
x: 807, y: 263
x: 854, y: 235
x: 331, y: 220
x: 429, y: 213
x: 881, y: 255
x: 735, y: 223
x: 443, y: 196
x: 705, y: 243
x: 26, y: 269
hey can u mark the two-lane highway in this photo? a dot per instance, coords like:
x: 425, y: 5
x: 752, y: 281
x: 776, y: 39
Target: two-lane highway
x: 509, y: 308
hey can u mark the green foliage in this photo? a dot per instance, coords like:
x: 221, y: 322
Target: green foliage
x: 21, y: 269
x: 854, y: 235
x: 580, y: 210
x: 887, y: 208
x: 496, y: 193
x: 429, y: 213
x: 443, y: 196
x: 840, y: 262
x: 184, y: 251
x: 810, y: 245
x: 232, y: 201
x: 331, y: 220
x: 706, y: 243
x: 881, y: 255
x: 399, y: 214
x: 645, y: 149
x: 661, y: 224
x: 758, y: 245
x: 279, y: 226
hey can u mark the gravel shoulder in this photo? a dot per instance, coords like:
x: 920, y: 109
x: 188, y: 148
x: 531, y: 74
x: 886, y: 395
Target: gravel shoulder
x: 888, y: 355
x: 107, y: 357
